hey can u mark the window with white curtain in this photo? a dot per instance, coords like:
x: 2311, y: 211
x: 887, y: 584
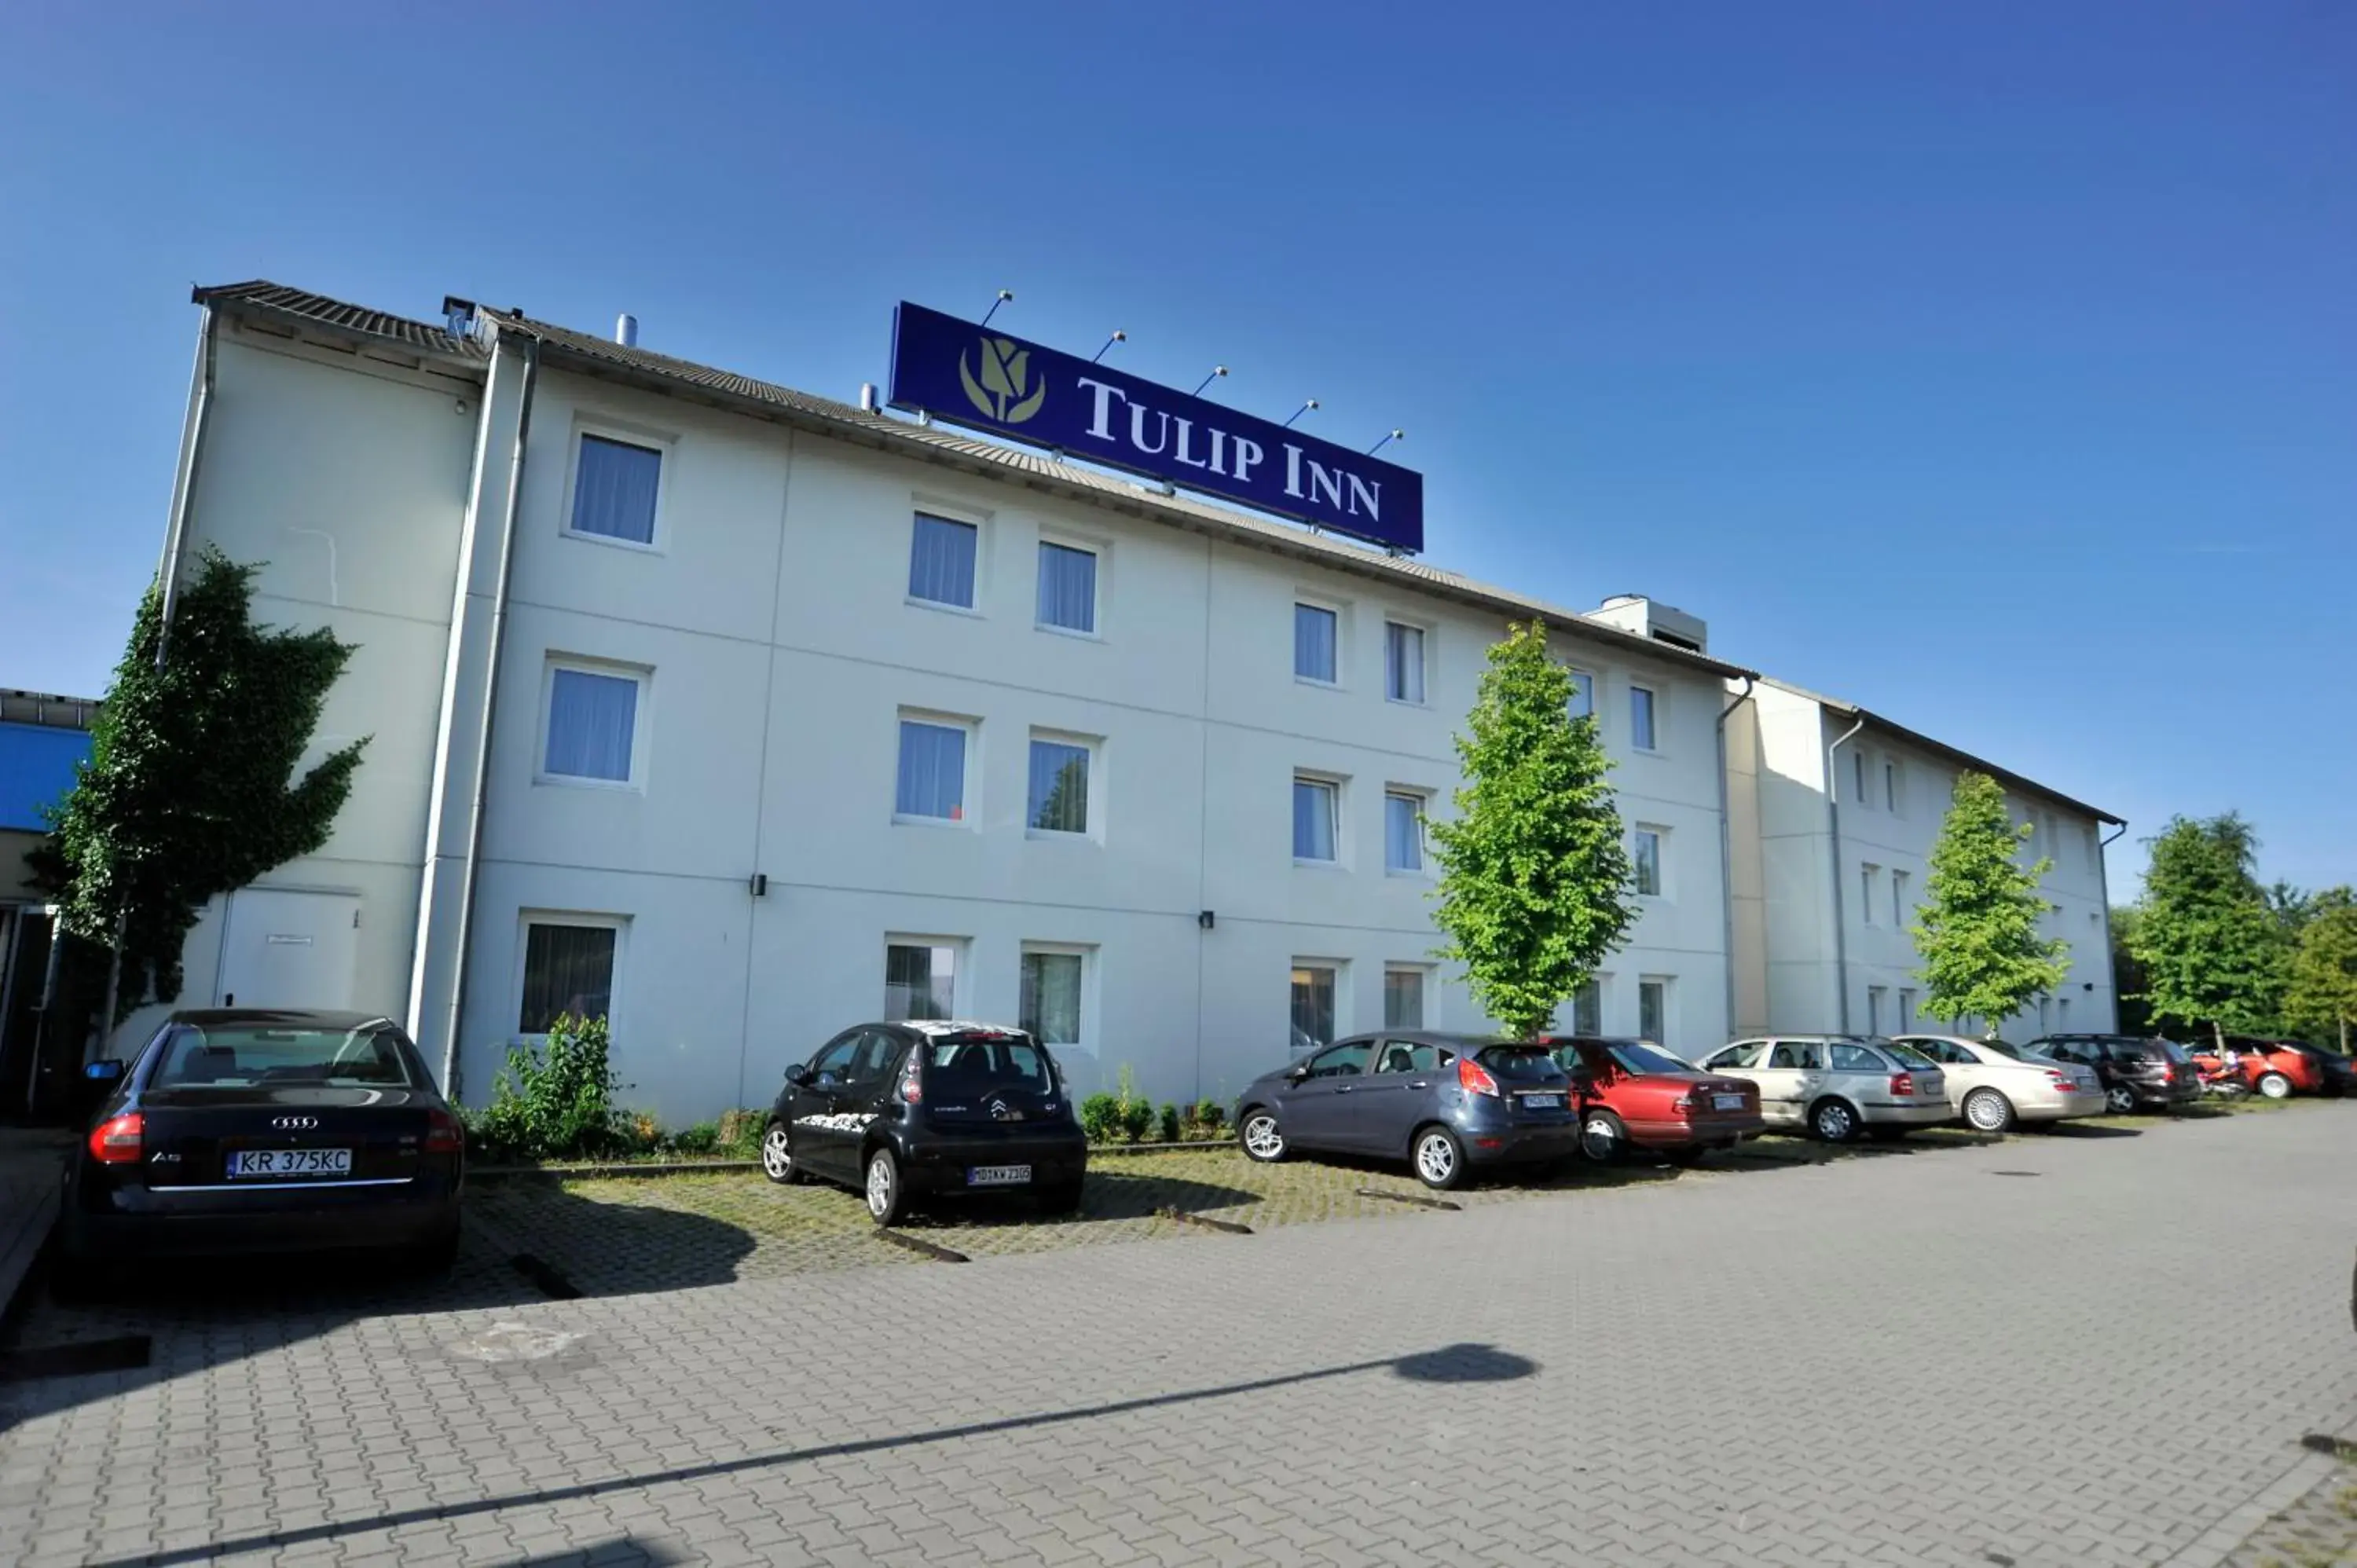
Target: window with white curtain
x: 1314, y: 819
x: 1583, y: 694
x: 568, y: 968
x: 1403, y: 831
x: 1059, y: 801
x: 1314, y: 991
x: 1403, y: 662
x: 1048, y: 1008
x: 1404, y: 997
x: 1588, y: 1008
x: 940, y: 560
x: 1653, y: 1010
x: 615, y: 487
x: 1314, y: 629
x: 1068, y: 587
x: 920, y: 978
x: 593, y: 722
x: 931, y: 784
x: 1640, y: 717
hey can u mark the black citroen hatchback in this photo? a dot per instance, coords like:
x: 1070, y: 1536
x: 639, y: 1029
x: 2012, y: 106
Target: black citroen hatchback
x: 246, y: 1130
x: 900, y: 1110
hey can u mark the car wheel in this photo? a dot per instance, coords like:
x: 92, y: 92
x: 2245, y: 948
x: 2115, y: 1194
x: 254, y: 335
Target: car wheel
x: 1986, y: 1110
x: 1832, y: 1121
x: 1602, y: 1138
x: 778, y: 1156
x: 2275, y: 1086
x: 884, y: 1202
x: 1438, y: 1158
x: 1061, y: 1199
x: 1261, y: 1137
x: 2119, y: 1100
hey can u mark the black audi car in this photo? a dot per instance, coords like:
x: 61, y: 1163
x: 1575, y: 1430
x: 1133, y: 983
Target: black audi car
x: 247, y: 1129
x: 898, y: 1111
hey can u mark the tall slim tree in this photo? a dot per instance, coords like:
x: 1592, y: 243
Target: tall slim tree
x: 190, y: 790
x: 2127, y: 973
x: 2213, y: 948
x: 1977, y: 930
x: 1534, y: 886
x: 2321, y: 999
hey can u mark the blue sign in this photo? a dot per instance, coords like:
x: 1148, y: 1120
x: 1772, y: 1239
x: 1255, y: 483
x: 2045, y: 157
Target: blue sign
x: 964, y: 374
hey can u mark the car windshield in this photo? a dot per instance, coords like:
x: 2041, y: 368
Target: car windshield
x: 1642, y: 1057
x: 973, y: 1062
x: 2004, y: 1048
x: 243, y: 1056
x: 1908, y: 1055
x: 1521, y: 1064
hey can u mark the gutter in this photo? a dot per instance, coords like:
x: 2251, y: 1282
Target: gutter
x: 2104, y: 882
x: 1727, y: 856
x: 481, y: 791
x: 1841, y: 928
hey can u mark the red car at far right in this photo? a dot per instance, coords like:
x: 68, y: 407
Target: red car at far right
x: 1632, y: 1095
x: 2274, y: 1068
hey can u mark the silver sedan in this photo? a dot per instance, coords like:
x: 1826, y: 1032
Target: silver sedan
x: 1993, y: 1084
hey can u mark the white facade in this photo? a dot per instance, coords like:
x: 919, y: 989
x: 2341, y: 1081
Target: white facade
x: 1820, y: 925
x: 768, y: 648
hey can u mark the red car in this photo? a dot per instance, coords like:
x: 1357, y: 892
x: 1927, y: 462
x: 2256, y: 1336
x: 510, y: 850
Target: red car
x: 1634, y: 1095
x: 2276, y: 1068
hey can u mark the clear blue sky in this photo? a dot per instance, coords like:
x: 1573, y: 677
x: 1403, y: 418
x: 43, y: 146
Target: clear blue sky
x: 1990, y: 365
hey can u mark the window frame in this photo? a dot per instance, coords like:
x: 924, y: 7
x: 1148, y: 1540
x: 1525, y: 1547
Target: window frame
x: 1876, y: 998
x: 642, y: 707
x: 1086, y: 1010
x: 1898, y: 881
x: 1666, y: 986
x: 1586, y: 681
x: 663, y: 443
x: 1894, y: 787
x: 1638, y: 832
x: 1340, y: 612
x: 1593, y: 1025
x: 1092, y: 747
x: 920, y: 507
x: 1423, y: 640
x: 1869, y: 874
x: 1422, y: 972
x: 1421, y: 800
x: 1336, y: 819
x: 526, y: 918
x: 1062, y: 539
x: 969, y: 819
x: 961, y: 963
x: 1336, y: 970
x: 1652, y: 745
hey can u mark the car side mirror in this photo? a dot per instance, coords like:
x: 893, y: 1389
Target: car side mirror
x: 1297, y: 1074
x: 800, y: 1077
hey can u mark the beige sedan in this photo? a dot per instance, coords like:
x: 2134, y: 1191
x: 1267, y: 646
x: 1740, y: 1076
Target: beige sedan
x: 1994, y: 1084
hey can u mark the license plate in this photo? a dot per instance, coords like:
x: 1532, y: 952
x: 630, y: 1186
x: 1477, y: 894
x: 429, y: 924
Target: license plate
x: 1542, y: 1101
x: 290, y: 1162
x: 1726, y: 1101
x: 997, y: 1176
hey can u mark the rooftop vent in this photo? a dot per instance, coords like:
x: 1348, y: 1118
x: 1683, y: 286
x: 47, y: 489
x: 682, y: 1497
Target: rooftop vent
x: 626, y: 331
x: 1659, y: 622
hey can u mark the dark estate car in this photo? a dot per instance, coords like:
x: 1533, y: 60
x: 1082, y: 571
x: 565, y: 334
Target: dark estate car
x: 1445, y: 1104
x: 900, y: 1110
x: 250, y: 1130
x: 2136, y: 1070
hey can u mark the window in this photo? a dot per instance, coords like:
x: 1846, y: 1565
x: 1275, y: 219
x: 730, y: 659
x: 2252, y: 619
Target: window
x: 1640, y: 717
x: 1583, y: 694
x: 1906, y: 1009
x: 919, y: 979
x: 1743, y: 1053
x: 1314, y: 629
x: 1898, y: 900
x: 1858, y: 1059
x: 1649, y: 862
x: 1588, y: 1008
x: 1403, y: 662
x: 1857, y: 777
x: 1059, y: 801
x: 568, y: 968
x: 214, y: 1056
x: 1068, y: 587
x: 1313, y: 1004
x: 615, y: 484
x: 1891, y: 793
x: 1653, y: 1010
x: 2042, y: 1006
x: 1347, y: 1060
x: 1313, y: 820
x: 1410, y: 1055
x: 1798, y: 1056
x: 932, y: 770
x: 1402, y: 999
x: 1402, y: 832
x: 1866, y: 877
x: 1876, y: 996
x: 2062, y: 1012
x: 940, y: 560
x: 1050, y: 1008
x: 593, y: 721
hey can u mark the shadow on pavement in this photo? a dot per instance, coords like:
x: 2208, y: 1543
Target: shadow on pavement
x: 1108, y: 1195
x: 1461, y: 1363
x: 2081, y: 1130
x: 622, y: 1552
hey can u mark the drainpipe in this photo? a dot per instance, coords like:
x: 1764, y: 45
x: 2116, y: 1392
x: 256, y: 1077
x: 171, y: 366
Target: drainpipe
x: 1726, y: 856
x: 2103, y: 883
x: 451, y: 1087
x: 1833, y: 816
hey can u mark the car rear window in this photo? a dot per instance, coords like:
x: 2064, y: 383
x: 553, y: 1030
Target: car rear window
x: 1908, y: 1055
x: 245, y: 1056
x: 1521, y: 1064
x: 1635, y: 1056
x: 2004, y: 1048
x: 2175, y: 1052
x: 987, y: 1062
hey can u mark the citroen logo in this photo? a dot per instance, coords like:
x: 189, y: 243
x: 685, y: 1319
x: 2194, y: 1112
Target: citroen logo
x: 294, y: 1123
x: 1005, y: 392
x: 1003, y: 1111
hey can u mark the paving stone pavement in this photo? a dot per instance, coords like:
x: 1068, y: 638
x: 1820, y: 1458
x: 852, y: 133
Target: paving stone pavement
x: 1902, y: 1358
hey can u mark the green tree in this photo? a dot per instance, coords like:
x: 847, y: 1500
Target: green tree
x: 1977, y: 929
x: 190, y: 791
x: 2213, y: 947
x: 2127, y: 973
x: 1534, y: 884
x: 2321, y: 999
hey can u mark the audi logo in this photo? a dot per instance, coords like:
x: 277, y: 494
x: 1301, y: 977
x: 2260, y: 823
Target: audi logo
x: 294, y: 1123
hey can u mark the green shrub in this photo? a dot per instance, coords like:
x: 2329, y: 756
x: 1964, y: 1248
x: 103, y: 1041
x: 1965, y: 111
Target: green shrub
x: 1208, y: 1116
x: 1137, y: 1119
x: 739, y: 1134
x: 700, y: 1139
x: 1100, y: 1118
x: 558, y: 1102
x: 1169, y: 1123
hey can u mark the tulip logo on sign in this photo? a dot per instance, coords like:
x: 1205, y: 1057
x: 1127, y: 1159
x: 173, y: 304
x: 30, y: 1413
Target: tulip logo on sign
x: 1005, y: 392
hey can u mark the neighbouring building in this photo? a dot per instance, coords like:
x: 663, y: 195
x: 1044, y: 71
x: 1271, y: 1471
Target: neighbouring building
x: 42, y: 739
x: 744, y: 715
x: 1833, y: 812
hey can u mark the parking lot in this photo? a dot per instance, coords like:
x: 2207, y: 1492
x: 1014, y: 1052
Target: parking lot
x: 2101, y: 1345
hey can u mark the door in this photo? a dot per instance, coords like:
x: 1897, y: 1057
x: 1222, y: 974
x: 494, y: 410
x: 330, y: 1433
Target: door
x: 813, y: 1128
x: 285, y: 949
x: 1859, y: 1075
x: 1318, y: 1112
x: 1748, y: 1059
x: 1794, y: 1072
x: 1397, y: 1097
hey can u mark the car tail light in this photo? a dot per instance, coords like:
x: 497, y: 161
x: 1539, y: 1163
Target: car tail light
x: 116, y: 1142
x: 2059, y: 1079
x: 1902, y: 1083
x: 1682, y: 1104
x: 911, y: 1090
x: 2168, y: 1073
x: 1473, y: 1078
x: 444, y: 1134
